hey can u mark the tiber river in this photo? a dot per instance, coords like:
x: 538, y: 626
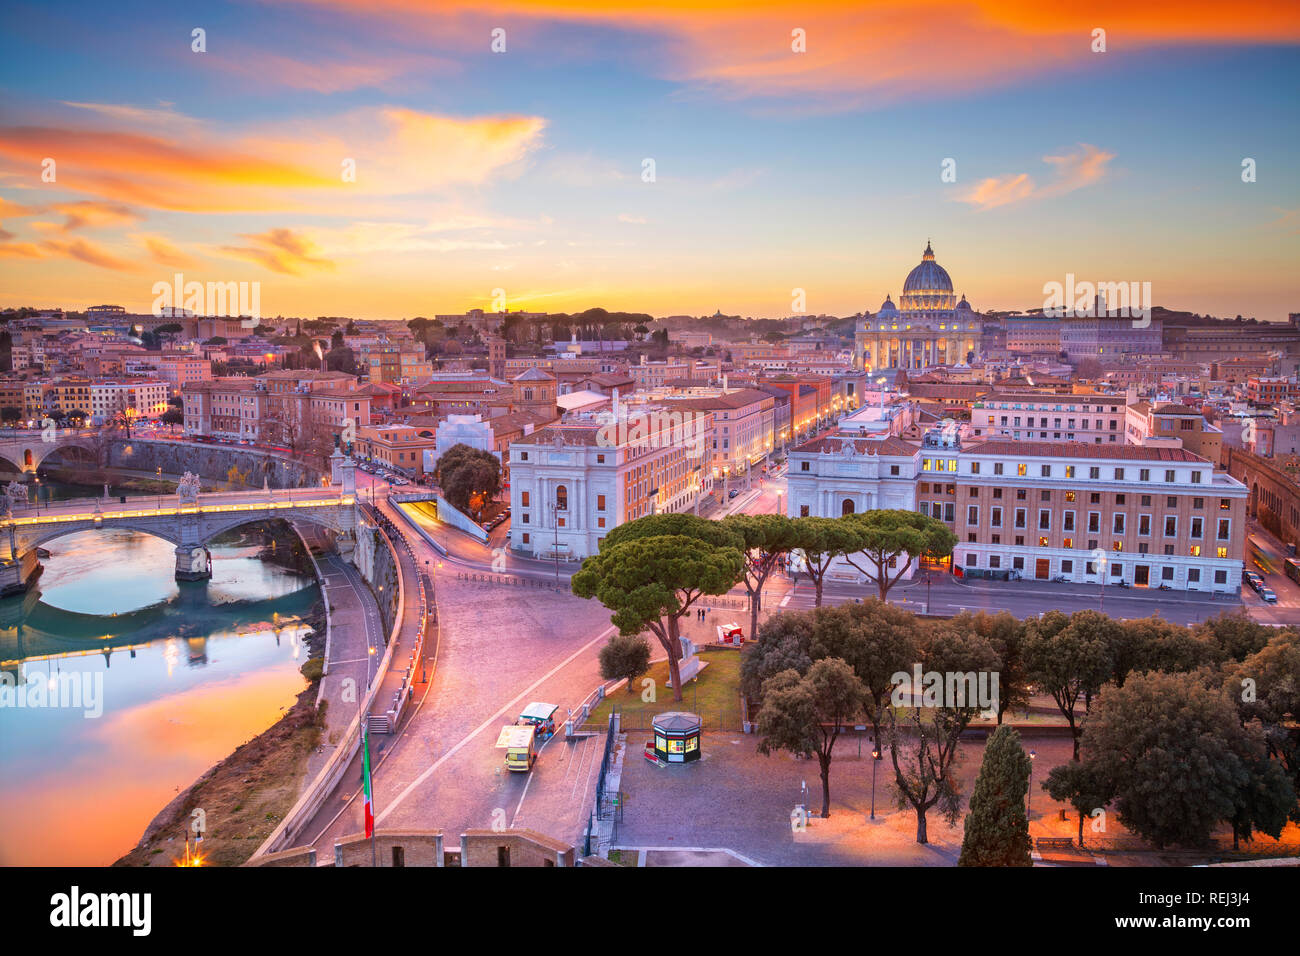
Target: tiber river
x: 188, y: 673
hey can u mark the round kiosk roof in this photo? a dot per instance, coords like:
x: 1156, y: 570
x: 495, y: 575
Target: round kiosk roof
x: 677, y: 722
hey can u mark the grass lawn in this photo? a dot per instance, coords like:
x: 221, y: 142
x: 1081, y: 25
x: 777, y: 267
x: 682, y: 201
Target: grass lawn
x: 714, y: 694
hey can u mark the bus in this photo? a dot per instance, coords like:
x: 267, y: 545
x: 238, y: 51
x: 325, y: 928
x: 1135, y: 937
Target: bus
x: 1292, y: 569
x: 1259, y: 557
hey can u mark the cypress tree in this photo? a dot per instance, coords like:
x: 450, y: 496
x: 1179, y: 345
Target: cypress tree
x: 997, y: 829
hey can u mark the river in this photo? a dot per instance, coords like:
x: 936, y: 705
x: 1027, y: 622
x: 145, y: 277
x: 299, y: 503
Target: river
x: 186, y: 673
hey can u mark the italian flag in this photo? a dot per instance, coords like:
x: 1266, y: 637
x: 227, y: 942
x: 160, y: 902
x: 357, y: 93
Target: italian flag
x: 366, y: 784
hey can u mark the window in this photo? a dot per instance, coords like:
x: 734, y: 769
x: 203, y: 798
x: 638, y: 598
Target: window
x: 1067, y: 543
x: 1094, y: 522
x: 1119, y: 474
x: 1067, y: 521
x: 1198, y: 502
x: 1069, y: 496
x: 973, y: 515
x: 1044, y: 520
x: 1117, y: 570
x: 948, y: 511
x: 525, y: 537
x: 997, y: 492
x: 1094, y: 472
x: 997, y: 468
x: 1220, y: 577
x: 1171, y: 502
x: 523, y: 499
x: 1196, y: 477
x: 1044, y: 495
x: 1225, y: 526
x: 1067, y: 567
x: 525, y: 517
x: 1193, y: 575
x: 1118, y: 524
x: 1170, y: 475
x: 1144, y: 525
x: 1094, y: 498
x: 523, y: 456
x: 974, y: 467
x: 1220, y: 552
x: 995, y: 518
x: 1021, y: 469
x: 893, y: 469
x: 1069, y: 471
x: 1119, y: 499
x: 1171, y: 526
x: 1225, y: 504
x: 1018, y: 563
x: 1046, y: 471
x: 1144, y: 474
x: 846, y: 506
x: 1197, y: 528
x: 561, y: 498
x: 803, y: 466
x: 1020, y: 517
x: 1042, y: 541
x: 600, y: 502
x: 995, y: 561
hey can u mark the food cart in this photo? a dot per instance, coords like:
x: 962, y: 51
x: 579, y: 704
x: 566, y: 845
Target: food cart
x: 730, y: 634
x: 519, y: 743
x: 541, y: 717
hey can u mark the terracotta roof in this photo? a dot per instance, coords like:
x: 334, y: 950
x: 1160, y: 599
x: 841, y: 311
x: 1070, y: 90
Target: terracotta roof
x: 1078, y: 449
x: 736, y: 399
x: 534, y: 375
x: 1172, y: 409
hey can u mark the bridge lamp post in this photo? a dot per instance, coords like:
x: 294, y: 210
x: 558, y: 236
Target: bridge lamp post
x: 159, y: 470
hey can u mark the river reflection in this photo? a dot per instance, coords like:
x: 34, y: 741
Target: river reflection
x: 188, y: 673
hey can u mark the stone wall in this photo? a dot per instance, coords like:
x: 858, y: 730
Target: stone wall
x: 213, y: 462
x: 374, y: 559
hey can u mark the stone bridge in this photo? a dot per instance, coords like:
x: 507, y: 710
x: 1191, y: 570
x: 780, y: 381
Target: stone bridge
x: 188, y: 520
x: 27, y: 449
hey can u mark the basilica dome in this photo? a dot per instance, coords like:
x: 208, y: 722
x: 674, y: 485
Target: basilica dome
x: 928, y: 288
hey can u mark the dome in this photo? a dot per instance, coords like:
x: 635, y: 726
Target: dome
x: 964, y: 306
x: 928, y: 288
x: 888, y: 305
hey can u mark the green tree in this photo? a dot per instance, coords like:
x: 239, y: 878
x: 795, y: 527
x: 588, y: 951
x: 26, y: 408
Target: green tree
x: 1154, y: 644
x: 819, y: 542
x: 926, y: 761
x: 784, y: 642
x: 1080, y: 786
x: 997, y: 826
x: 1069, y: 658
x: 1266, y: 687
x: 468, y: 475
x: 806, y: 714
x: 626, y: 656
x: 767, y: 539
x: 879, y: 641
x: 651, y: 571
x: 1180, y: 762
x: 1006, y: 634
x: 896, y: 540
x: 1235, y: 635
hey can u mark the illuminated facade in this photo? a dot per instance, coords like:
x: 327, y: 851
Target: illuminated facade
x: 928, y: 327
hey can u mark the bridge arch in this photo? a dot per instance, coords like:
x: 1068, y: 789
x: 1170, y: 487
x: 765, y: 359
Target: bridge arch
x: 150, y: 528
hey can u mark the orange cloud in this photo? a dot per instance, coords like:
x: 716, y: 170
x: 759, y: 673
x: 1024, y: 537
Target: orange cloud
x: 88, y: 252
x: 281, y: 250
x: 864, y: 54
x: 395, y: 152
x: 164, y: 253
x: 1085, y: 166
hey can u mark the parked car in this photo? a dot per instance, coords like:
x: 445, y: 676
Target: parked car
x: 1267, y: 594
x: 734, y: 492
x: 1253, y: 579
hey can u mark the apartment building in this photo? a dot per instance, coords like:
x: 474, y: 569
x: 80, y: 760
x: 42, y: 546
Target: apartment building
x: 293, y: 408
x: 1150, y: 517
x: 396, y: 446
x: 1100, y: 419
x: 649, y: 375
x: 179, y: 369
x: 743, y: 426
x: 570, y: 483
x: 394, y: 363
x: 1179, y: 426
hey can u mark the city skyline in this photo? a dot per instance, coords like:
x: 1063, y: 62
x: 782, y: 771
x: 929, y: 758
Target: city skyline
x: 523, y: 170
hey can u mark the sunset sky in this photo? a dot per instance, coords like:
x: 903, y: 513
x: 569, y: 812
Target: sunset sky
x: 523, y: 170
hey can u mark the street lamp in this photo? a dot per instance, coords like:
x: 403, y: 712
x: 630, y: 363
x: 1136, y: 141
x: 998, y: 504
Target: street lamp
x: 875, y: 762
x: 159, y: 471
x: 1101, y: 576
x: 1029, y: 812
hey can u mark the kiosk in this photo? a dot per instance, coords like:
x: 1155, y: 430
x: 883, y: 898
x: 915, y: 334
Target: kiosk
x: 677, y: 736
